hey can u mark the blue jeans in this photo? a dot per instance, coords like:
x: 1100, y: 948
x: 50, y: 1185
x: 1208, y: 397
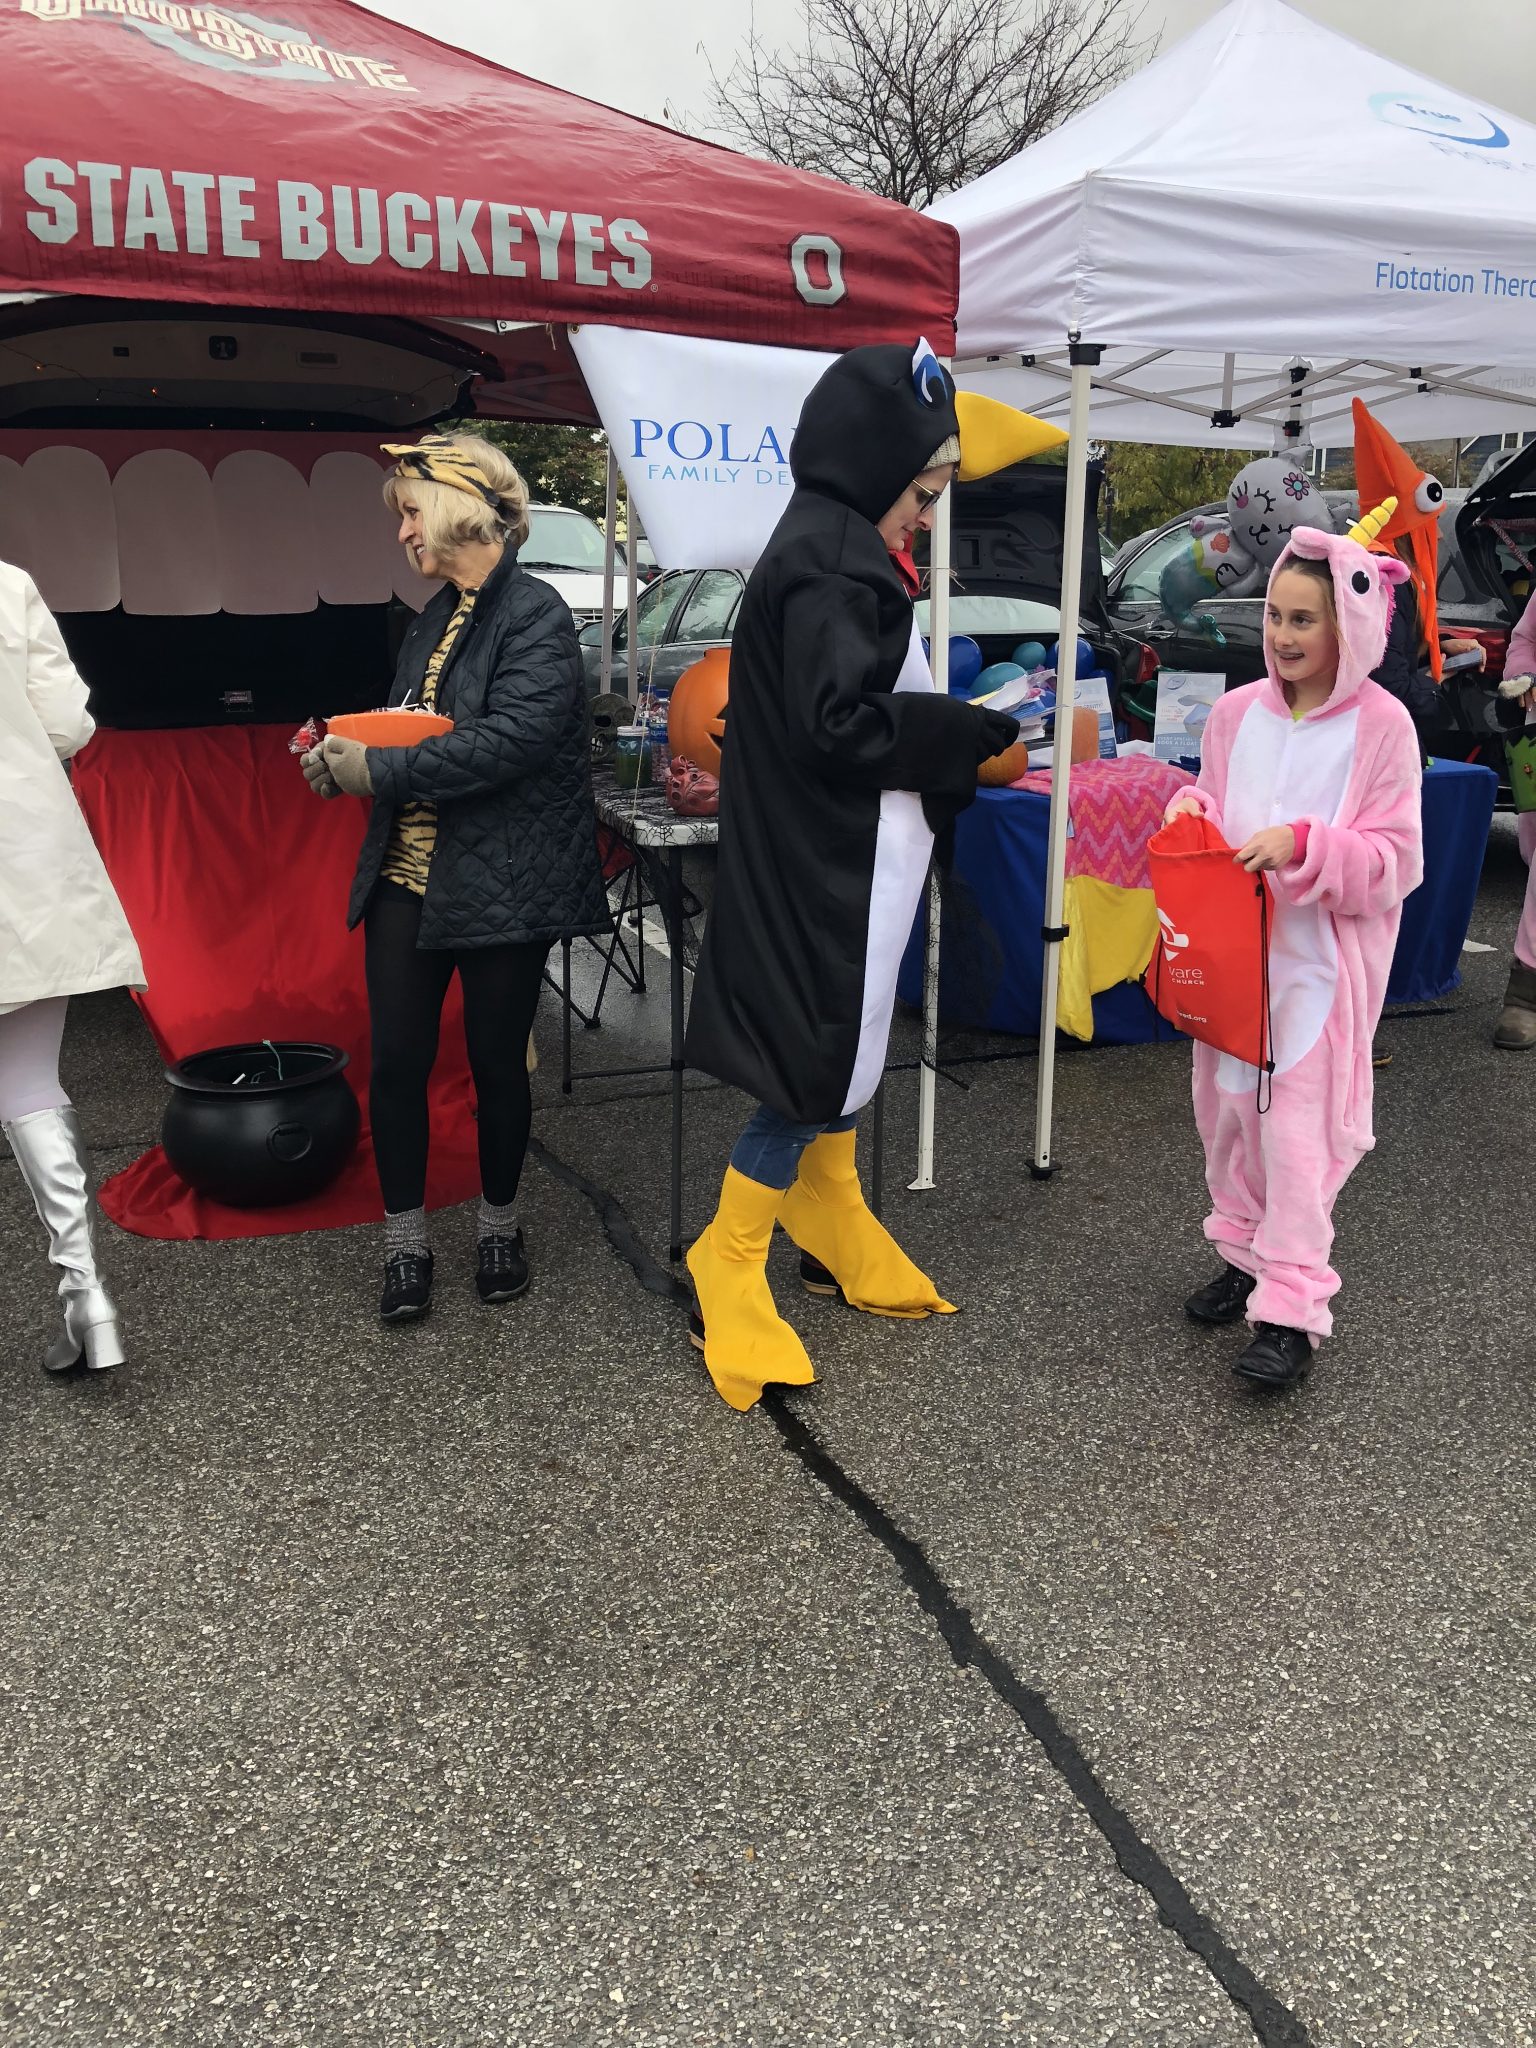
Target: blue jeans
x: 768, y: 1150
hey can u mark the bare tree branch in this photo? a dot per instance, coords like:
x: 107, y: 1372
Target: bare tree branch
x: 912, y: 98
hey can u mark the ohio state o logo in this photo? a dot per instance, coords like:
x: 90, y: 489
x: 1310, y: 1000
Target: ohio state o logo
x: 815, y: 294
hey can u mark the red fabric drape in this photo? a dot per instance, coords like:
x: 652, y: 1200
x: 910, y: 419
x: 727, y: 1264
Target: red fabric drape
x: 235, y: 881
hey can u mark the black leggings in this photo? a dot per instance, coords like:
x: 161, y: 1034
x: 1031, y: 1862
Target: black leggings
x: 406, y: 987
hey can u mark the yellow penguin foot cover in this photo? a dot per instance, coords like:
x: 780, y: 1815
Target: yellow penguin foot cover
x: 747, y: 1345
x: 826, y: 1215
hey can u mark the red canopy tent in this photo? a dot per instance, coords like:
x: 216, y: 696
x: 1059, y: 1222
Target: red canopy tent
x: 350, y: 165
x: 352, y: 184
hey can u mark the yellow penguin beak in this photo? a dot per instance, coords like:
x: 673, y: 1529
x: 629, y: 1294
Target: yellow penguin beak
x: 994, y: 436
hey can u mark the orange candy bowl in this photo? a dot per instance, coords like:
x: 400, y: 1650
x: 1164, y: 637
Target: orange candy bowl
x: 389, y: 728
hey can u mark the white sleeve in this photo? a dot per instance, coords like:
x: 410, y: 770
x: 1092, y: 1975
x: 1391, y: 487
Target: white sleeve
x: 54, y: 688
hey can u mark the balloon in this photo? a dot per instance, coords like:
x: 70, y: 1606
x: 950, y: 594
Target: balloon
x: 964, y: 663
x: 1087, y: 660
x: 1029, y: 654
x: 1268, y: 500
x: 993, y: 678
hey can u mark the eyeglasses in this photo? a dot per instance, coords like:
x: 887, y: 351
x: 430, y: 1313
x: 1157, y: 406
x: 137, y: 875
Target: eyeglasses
x: 927, y: 499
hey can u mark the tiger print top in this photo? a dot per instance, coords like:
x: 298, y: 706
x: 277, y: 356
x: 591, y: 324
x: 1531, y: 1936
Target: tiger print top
x: 414, y: 832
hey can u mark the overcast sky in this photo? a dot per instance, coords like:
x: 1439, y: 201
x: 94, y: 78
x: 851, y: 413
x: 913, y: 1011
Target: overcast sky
x: 639, y: 54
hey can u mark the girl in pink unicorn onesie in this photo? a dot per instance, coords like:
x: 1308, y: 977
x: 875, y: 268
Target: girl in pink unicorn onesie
x: 1313, y: 775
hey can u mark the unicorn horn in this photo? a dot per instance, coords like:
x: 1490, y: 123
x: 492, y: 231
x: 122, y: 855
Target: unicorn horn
x: 1369, y: 528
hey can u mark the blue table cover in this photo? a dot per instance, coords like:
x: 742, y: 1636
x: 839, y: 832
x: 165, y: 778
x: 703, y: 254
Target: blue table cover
x: 1458, y: 809
x: 990, y: 962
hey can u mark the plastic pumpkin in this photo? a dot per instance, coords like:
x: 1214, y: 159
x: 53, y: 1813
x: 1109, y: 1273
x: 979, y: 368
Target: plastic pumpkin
x: 696, y: 716
x: 1004, y: 768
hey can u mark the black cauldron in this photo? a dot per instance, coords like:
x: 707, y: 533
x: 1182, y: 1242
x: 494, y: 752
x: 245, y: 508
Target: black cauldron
x: 259, y: 1125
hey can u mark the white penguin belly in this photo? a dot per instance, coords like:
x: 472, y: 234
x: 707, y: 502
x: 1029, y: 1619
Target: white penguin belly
x: 903, y: 851
x: 1280, y: 771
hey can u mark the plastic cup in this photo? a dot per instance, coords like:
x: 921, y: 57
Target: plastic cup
x: 631, y: 758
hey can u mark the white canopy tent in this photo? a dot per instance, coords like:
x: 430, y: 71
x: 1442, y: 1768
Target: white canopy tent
x: 1266, y: 221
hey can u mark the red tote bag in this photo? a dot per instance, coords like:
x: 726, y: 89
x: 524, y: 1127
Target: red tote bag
x: 1210, y: 971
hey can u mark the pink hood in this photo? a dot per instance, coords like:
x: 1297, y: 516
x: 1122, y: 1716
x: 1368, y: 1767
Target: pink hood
x: 1363, y: 585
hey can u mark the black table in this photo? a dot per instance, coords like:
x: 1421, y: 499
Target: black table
x: 658, y: 839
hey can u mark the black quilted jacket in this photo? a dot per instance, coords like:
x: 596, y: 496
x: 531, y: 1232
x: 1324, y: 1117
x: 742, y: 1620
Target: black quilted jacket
x: 516, y: 852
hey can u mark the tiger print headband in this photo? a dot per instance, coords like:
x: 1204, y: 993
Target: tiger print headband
x: 437, y: 460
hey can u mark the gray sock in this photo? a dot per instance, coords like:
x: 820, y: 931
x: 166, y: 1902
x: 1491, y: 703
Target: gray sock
x: 406, y: 1232
x: 494, y: 1222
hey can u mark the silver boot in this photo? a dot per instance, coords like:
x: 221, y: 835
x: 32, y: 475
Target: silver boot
x: 50, y: 1151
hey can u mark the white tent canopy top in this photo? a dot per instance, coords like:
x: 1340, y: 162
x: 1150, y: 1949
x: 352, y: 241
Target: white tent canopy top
x: 1265, y: 222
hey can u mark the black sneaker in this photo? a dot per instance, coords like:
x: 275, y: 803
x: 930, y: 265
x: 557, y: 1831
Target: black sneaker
x: 407, y: 1287
x: 1224, y: 1300
x: 502, y: 1271
x: 1277, y: 1357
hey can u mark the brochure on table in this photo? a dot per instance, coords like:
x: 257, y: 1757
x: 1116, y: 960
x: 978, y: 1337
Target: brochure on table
x: 1184, y: 702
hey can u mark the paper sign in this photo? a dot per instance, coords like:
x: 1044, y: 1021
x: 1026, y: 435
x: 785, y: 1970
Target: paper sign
x: 1184, y: 702
x: 1092, y: 694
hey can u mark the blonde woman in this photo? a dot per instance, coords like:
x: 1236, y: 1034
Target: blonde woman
x: 62, y: 933
x: 481, y: 850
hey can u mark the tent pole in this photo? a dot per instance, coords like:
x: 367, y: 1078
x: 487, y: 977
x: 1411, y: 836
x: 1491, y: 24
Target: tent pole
x: 632, y: 572
x: 610, y: 523
x: 1085, y: 359
x: 938, y: 657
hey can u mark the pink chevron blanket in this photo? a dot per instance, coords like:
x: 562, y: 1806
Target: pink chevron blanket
x: 1116, y: 806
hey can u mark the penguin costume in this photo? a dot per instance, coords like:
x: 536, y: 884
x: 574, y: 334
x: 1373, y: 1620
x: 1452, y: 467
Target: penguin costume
x: 840, y: 764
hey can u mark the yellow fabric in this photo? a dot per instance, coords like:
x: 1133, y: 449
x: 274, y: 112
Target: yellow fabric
x: 747, y: 1343
x: 826, y: 1215
x: 408, y: 857
x: 1111, y: 940
x: 994, y: 436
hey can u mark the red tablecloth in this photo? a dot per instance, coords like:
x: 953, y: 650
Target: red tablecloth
x: 235, y: 881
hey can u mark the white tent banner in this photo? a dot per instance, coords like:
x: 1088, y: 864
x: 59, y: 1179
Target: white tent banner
x: 701, y: 430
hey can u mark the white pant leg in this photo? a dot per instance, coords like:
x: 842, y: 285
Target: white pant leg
x: 30, y: 1039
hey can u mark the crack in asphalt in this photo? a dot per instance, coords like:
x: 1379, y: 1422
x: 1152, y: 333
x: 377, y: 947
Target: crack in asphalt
x: 1273, y: 2023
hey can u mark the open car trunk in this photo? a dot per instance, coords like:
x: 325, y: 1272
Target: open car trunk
x: 1496, y: 530
x: 1008, y: 534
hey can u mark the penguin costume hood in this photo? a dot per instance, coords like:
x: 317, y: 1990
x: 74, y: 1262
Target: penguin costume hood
x: 840, y: 761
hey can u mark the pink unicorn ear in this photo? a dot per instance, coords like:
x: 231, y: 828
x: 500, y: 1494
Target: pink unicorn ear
x: 1394, y: 569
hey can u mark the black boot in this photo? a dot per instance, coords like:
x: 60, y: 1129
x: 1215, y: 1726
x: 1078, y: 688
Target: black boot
x: 502, y: 1270
x: 407, y: 1287
x: 1224, y: 1300
x: 1277, y: 1357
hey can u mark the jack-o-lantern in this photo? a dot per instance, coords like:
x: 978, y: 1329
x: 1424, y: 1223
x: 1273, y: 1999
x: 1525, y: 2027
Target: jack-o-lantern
x: 696, y: 716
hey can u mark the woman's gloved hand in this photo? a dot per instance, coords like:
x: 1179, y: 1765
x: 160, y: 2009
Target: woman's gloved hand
x: 996, y: 733
x: 347, y: 761
x: 317, y: 775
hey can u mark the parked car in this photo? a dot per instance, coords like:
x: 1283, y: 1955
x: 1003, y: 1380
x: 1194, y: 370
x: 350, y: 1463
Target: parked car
x: 1473, y: 597
x: 678, y: 618
x: 1135, y: 600
x: 1007, y: 541
x: 565, y: 549
x: 1007, y: 537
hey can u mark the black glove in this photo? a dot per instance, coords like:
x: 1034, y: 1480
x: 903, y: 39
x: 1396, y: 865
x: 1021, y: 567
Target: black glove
x: 996, y: 733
